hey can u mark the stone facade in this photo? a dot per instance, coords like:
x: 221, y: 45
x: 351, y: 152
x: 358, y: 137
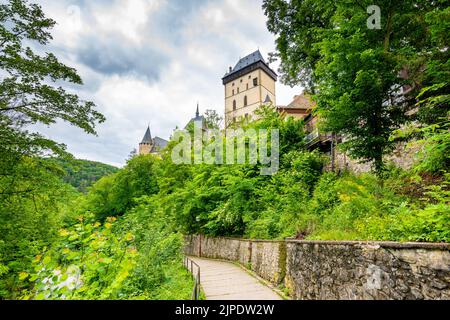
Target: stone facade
x: 266, y: 258
x: 247, y: 86
x: 359, y: 270
x: 403, y: 156
x: 348, y: 270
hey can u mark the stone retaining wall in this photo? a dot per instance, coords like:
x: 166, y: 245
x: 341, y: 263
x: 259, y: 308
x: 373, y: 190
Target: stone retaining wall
x: 347, y: 270
x: 266, y: 258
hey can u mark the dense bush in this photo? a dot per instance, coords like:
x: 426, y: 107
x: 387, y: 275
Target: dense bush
x: 360, y: 208
x: 301, y: 199
x: 33, y: 203
x: 114, y: 194
x: 134, y: 257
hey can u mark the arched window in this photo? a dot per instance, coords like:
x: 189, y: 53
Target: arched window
x: 234, y: 104
x: 245, y: 101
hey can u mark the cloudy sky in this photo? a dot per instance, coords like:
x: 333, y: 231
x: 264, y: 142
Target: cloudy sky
x: 149, y: 62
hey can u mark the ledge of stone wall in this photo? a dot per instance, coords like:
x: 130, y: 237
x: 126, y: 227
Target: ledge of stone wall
x: 339, y: 269
x: 381, y: 244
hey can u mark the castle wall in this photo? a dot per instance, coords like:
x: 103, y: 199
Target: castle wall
x: 331, y: 270
x: 144, y: 148
x: 403, y: 157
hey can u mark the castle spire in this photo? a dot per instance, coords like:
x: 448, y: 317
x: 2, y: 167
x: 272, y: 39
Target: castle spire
x: 148, y: 136
x: 197, y: 113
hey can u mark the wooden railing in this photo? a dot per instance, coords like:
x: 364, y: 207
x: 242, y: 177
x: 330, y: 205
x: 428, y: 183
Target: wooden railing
x: 194, y: 269
x: 316, y: 136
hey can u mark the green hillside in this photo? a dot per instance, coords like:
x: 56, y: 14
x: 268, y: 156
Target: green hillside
x: 83, y: 173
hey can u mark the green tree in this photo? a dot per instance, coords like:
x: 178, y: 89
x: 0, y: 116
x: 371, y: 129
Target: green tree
x: 29, y: 84
x: 32, y: 195
x: 213, y: 120
x: 356, y: 72
x: 114, y: 194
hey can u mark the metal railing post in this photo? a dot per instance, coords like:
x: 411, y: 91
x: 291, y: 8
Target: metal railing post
x: 195, y: 276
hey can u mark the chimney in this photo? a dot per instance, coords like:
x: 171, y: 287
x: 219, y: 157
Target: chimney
x: 230, y: 69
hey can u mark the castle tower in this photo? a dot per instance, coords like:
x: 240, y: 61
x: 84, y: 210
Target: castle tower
x: 248, y: 85
x: 146, y: 144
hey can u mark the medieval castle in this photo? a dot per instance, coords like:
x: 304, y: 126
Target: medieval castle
x: 250, y: 84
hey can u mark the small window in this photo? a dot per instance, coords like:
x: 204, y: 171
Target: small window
x: 232, y: 84
x: 245, y: 101
x: 232, y: 92
x: 237, y: 90
x: 241, y: 80
x: 255, y: 82
x: 249, y: 77
x: 247, y: 86
x: 234, y: 104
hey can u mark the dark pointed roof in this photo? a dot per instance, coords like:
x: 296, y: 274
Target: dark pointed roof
x: 267, y: 100
x: 248, y: 60
x: 247, y: 64
x: 147, y: 137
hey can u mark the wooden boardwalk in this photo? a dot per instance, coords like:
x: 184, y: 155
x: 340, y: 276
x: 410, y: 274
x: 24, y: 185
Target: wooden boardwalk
x: 225, y: 281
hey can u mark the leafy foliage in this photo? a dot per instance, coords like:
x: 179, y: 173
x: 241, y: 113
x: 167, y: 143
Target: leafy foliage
x: 114, y: 194
x: 125, y: 259
x: 33, y: 203
x: 301, y: 200
x: 28, y: 92
x: 123, y: 239
x: 357, y: 73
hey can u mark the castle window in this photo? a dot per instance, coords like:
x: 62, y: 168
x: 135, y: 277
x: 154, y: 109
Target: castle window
x: 237, y: 90
x: 232, y: 92
x: 249, y: 77
x: 234, y: 104
x: 241, y: 80
x: 232, y: 84
x: 255, y: 82
x: 245, y: 101
x: 247, y: 86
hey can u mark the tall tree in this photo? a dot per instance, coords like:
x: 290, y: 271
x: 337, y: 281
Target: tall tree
x: 29, y: 90
x: 357, y: 72
x: 32, y: 195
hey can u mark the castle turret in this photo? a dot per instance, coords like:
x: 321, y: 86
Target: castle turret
x: 147, y: 142
x: 151, y: 145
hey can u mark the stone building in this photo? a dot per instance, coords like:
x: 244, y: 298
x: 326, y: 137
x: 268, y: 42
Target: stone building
x: 151, y: 145
x: 300, y: 107
x: 248, y: 85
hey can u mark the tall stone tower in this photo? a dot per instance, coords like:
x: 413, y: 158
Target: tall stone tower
x: 146, y: 144
x: 248, y: 85
x: 151, y: 145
